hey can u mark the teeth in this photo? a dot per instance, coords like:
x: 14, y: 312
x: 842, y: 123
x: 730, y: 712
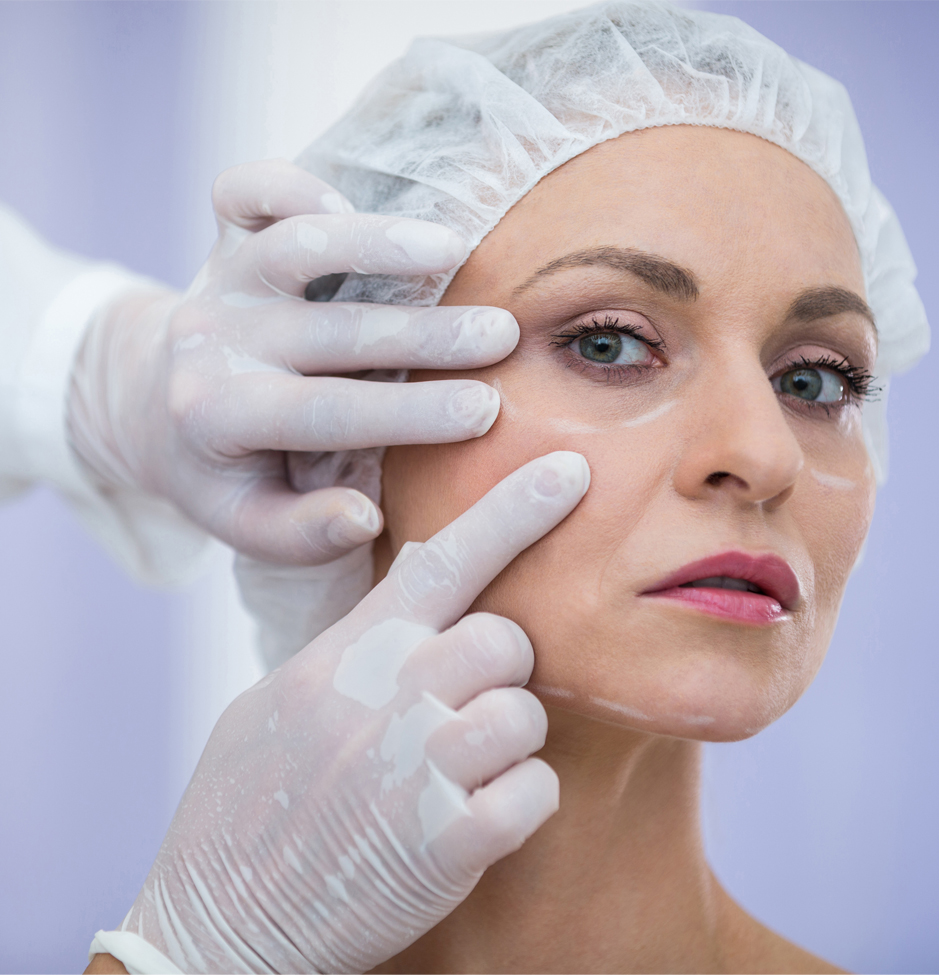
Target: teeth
x: 724, y: 582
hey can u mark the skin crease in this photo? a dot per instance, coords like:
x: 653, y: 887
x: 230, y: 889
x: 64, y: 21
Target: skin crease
x: 617, y: 880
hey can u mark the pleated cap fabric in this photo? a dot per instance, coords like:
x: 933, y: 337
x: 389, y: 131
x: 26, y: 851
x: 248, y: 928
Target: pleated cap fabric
x: 460, y: 129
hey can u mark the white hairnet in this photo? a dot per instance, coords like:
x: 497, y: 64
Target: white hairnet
x: 459, y: 129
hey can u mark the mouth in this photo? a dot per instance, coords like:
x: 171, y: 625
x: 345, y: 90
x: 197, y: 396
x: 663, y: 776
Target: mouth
x: 758, y: 589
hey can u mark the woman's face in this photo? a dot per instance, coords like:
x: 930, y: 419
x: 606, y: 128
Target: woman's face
x: 692, y: 317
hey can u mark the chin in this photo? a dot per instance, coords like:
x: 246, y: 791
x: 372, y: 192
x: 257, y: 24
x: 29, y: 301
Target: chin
x: 673, y: 672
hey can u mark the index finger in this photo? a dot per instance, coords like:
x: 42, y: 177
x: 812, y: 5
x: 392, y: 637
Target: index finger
x: 438, y: 581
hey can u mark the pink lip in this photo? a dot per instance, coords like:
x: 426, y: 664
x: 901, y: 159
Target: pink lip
x: 771, y: 573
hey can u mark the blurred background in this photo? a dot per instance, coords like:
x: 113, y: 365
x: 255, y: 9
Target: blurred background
x: 115, y: 117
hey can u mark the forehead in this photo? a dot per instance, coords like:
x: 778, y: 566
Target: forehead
x: 737, y: 210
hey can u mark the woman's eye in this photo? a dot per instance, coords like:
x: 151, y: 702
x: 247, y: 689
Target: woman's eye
x: 814, y: 385
x: 612, y: 348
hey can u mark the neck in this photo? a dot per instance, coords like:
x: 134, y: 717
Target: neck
x: 616, y: 880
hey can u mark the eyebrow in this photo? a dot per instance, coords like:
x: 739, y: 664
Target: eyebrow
x: 815, y: 303
x: 658, y: 272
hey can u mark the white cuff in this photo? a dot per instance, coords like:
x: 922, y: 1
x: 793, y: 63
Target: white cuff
x: 45, y: 375
x: 139, y: 957
x: 146, y: 535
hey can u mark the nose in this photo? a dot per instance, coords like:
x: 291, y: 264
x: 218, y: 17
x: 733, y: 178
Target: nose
x: 741, y: 444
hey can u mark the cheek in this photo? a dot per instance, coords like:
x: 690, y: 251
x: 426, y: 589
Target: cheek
x: 424, y: 488
x: 834, y: 509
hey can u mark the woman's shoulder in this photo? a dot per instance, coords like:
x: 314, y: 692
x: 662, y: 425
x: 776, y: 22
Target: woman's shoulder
x: 753, y: 947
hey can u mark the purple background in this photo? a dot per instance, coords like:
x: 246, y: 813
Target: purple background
x: 824, y: 826
x: 95, y: 123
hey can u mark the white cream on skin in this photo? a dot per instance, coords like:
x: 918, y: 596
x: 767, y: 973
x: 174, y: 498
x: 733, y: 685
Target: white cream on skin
x: 550, y: 691
x: 833, y: 481
x: 508, y: 407
x: 633, y: 713
x: 651, y: 415
x: 563, y: 425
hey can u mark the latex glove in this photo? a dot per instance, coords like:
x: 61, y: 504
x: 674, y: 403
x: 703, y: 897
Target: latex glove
x: 197, y: 397
x: 350, y: 800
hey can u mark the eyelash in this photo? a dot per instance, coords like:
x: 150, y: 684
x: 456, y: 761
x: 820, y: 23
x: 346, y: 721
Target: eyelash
x: 859, y: 382
x: 613, y: 372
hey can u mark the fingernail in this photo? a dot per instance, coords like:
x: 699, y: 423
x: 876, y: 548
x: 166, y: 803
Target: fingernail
x: 427, y: 244
x: 562, y: 474
x: 490, y: 328
x: 475, y: 408
x: 335, y: 203
x: 355, y: 526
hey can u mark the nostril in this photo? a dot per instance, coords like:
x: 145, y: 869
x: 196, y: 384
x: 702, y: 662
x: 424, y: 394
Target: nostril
x: 717, y: 477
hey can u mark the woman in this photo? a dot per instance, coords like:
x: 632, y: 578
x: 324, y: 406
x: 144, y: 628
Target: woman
x: 710, y: 296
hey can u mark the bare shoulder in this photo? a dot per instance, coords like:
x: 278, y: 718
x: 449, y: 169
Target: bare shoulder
x: 753, y: 947
x: 105, y: 965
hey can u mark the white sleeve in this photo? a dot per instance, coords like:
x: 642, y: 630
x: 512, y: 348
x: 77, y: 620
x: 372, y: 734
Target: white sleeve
x: 47, y: 298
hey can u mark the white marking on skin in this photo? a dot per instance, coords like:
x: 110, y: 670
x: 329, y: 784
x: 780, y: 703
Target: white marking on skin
x: 441, y: 803
x: 247, y: 873
x: 241, y: 299
x: 563, y: 425
x: 347, y: 866
x: 633, y: 713
x: 475, y: 738
x: 282, y: 798
x: 651, y: 415
x: 551, y: 691
x: 312, y: 238
x: 833, y: 481
x: 376, y: 324
x: 406, y: 737
x: 240, y: 364
x: 697, y: 719
x: 193, y: 342
x: 368, y: 670
x: 508, y: 407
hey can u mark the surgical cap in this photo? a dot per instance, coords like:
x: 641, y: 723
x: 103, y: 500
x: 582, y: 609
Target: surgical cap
x: 460, y: 129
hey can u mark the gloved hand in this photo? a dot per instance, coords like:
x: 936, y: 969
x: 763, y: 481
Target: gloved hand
x: 197, y: 397
x: 350, y: 800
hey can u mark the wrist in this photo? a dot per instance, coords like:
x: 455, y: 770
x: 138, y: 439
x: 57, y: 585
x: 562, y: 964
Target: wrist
x: 112, y: 403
